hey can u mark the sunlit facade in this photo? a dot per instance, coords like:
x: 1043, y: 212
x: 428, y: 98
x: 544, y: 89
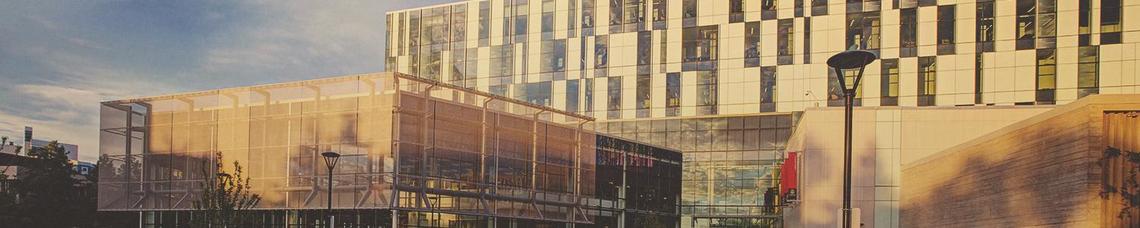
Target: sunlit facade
x: 700, y: 63
x: 434, y: 154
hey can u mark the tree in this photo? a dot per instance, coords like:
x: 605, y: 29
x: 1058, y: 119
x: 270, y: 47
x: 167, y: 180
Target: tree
x: 48, y: 190
x: 225, y: 197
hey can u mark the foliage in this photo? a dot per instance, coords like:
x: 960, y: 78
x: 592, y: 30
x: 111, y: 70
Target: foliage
x: 48, y: 189
x: 225, y: 198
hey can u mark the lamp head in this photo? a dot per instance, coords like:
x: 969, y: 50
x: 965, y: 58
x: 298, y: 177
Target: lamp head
x: 850, y: 60
x: 330, y: 158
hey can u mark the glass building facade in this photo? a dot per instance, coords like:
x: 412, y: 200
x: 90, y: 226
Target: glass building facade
x: 415, y: 152
x: 633, y: 61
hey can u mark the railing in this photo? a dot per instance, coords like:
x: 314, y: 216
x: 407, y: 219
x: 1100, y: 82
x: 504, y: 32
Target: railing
x: 732, y: 210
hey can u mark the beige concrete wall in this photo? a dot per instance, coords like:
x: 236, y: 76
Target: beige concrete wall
x: 884, y: 139
x: 1043, y: 171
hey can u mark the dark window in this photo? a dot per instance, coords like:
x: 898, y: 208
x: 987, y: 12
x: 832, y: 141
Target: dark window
x: 768, y: 89
x: 1026, y: 24
x: 700, y: 45
x: 553, y: 58
x: 985, y: 27
x: 927, y: 80
x: 672, y: 94
x: 1088, y: 77
x: 643, y: 95
x: 889, y: 82
x: 689, y: 13
x: 484, y: 23
x: 644, y: 47
x: 613, y: 97
x: 818, y: 7
x: 908, y: 33
x: 735, y: 11
x: 979, y: 69
x: 1046, y: 76
x: 798, y: 8
x: 768, y: 9
x: 752, y: 44
x: 588, y: 95
x: 572, y: 96
x: 905, y: 4
x: 807, y: 40
x: 571, y: 18
x: 587, y: 16
x: 785, y: 40
x: 1084, y: 24
x: 863, y: 30
x: 663, y: 50
x: 601, y: 51
x: 1110, y: 21
x: 1046, y: 24
x: 946, y: 29
x: 706, y: 93
x: 660, y: 14
x: 615, y: 13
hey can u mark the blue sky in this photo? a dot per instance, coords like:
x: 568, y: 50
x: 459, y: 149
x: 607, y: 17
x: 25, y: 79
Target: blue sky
x: 59, y: 59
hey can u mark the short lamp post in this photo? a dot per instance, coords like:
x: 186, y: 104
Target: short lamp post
x: 849, y: 60
x: 330, y: 162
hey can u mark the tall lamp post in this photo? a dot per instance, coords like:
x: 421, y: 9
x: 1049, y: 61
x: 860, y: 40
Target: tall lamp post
x: 330, y: 162
x: 849, y: 60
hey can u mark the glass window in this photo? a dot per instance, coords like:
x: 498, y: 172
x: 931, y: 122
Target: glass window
x: 690, y: 9
x: 601, y: 51
x: 1046, y: 75
x: 700, y: 48
x: 588, y: 95
x: 643, y: 95
x: 735, y: 11
x: 927, y: 80
x: 1084, y: 23
x: 672, y: 94
x: 1026, y: 24
x: 863, y: 30
x: 818, y: 7
x: 908, y: 33
x: 768, y: 89
x: 615, y: 12
x: 613, y: 94
x: 752, y: 44
x: 644, y: 47
x: 890, y: 82
x: 634, y: 11
x: 785, y: 41
x: 484, y: 23
x: 1088, y: 77
x: 807, y: 40
x: 660, y: 10
x: 706, y: 92
x: 572, y: 96
x: 946, y: 29
x: 985, y: 27
x: 978, y: 77
x: 553, y: 56
x: 1110, y: 21
x: 587, y: 14
x: 768, y: 9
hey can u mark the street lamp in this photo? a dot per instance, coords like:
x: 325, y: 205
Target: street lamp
x: 330, y: 161
x: 848, y: 60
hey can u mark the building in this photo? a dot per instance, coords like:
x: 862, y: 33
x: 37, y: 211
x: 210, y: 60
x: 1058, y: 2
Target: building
x: 706, y: 64
x: 415, y: 152
x: 1073, y: 166
x: 72, y: 149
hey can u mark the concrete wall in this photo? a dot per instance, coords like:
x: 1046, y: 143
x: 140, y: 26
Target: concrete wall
x: 884, y: 139
x: 1043, y: 171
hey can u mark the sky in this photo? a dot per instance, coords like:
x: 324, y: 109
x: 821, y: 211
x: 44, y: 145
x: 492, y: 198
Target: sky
x: 59, y: 59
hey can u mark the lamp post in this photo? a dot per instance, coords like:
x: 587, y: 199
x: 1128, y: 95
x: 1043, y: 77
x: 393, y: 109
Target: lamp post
x: 330, y: 162
x: 848, y: 60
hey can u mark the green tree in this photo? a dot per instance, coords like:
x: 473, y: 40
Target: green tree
x: 225, y: 197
